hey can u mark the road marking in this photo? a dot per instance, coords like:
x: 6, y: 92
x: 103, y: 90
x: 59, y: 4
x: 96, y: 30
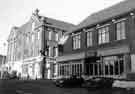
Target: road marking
x: 21, y: 92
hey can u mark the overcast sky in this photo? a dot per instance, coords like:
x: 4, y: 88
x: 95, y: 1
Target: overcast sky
x: 17, y: 12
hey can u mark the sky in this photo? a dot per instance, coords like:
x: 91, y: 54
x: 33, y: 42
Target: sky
x: 17, y: 12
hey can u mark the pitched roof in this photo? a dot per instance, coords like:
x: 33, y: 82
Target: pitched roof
x: 61, y: 24
x: 117, y: 9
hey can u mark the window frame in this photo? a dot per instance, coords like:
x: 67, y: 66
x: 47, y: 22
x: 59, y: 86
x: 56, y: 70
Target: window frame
x: 122, y: 34
x: 76, y: 41
x: 103, y: 35
x: 90, y: 31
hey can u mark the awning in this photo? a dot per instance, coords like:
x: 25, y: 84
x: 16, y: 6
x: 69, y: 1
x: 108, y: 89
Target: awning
x: 70, y: 57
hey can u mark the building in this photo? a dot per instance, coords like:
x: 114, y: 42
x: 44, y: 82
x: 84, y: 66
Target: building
x: 2, y: 63
x: 101, y: 45
x: 33, y: 47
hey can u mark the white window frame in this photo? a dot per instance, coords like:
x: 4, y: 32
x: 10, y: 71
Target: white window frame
x: 121, y: 30
x: 49, y: 51
x: 89, y: 38
x: 57, y: 36
x: 33, y: 26
x: 50, y: 35
x: 103, y: 35
x: 38, y: 35
x: 76, y: 41
x: 33, y: 38
x: 56, y: 51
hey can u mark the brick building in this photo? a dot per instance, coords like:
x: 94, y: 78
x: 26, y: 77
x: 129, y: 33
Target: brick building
x: 101, y: 45
x: 26, y: 43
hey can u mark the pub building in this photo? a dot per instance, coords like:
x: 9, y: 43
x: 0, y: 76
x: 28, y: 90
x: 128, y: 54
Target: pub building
x: 32, y: 47
x: 101, y: 45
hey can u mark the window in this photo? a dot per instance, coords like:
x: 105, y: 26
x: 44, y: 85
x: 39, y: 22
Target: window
x: 76, y: 41
x: 103, y: 35
x: 50, y: 35
x: 33, y: 26
x: 120, y: 30
x: 70, y: 69
x: 38, y: 35
x: 89, y: 38
x: 33, y: 38
x: 56, y: 36
x: 110, y: 66
x: 49, y: 51
x: 55, y: 51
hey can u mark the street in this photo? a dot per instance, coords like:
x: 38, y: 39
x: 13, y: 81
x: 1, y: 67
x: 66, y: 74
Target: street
x: 47, y: 87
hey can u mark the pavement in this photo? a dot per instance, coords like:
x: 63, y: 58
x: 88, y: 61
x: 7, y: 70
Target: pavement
x: 47, y: 87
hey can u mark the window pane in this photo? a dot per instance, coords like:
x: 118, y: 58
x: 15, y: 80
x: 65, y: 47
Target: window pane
x: 76, y: 42
x: 57, y: 36
x: 120, y: 29
x: 89, y: 38
x: 103, y: 35
x: 50, y: 35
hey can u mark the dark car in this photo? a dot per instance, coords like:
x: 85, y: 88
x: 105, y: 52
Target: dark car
x: 98, y: 82
x: 69, y: 82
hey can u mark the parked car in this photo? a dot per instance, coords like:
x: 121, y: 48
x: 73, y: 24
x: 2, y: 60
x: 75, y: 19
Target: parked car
x: 98, y: 82
x: 6, y: 75
x: 69, y: 82
x: 13, y: 75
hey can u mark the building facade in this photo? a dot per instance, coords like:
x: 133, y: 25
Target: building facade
x: 2, y: 64
x: 34, y: 46
x: 101, y: 45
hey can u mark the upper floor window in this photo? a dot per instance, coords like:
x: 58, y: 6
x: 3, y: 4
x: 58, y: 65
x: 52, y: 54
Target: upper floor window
x: 103, y: 35
x: 77, y: 41
x: 33, y: 38
x: 38, y: 35
x: 50, y: 51
x: 33, y: 26
x: 56, y: 36
x: 50, y: 35
x: 55, y: 51
x: 120, y: 30
x: 89, y: 38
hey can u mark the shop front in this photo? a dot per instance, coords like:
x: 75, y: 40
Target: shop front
x: 70, y: 68
x: 113, y: 62
x: 70, y: 65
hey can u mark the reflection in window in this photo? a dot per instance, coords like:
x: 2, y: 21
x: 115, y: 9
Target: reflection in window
x: 112, y: 65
